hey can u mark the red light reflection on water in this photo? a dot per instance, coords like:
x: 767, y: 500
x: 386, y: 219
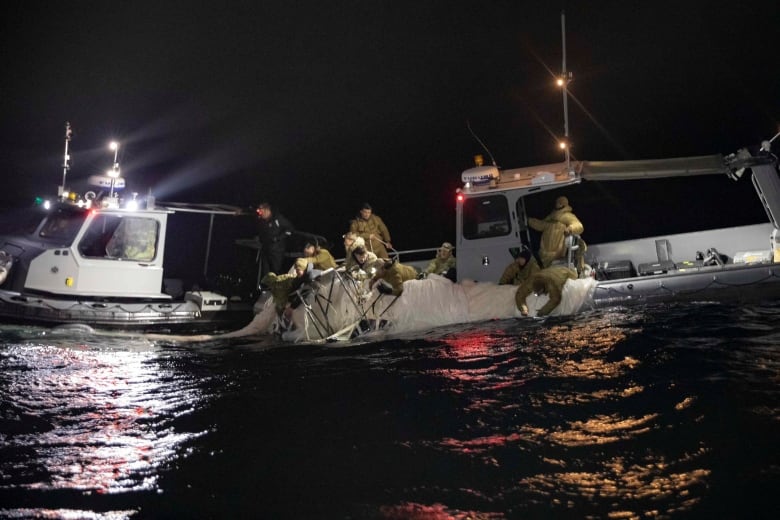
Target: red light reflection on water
x: 481, y: 444
x: 480, y: 357
x: 478, y: 344
x: 415, y: 511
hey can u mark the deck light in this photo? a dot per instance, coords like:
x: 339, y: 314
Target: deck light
x: 132, y: 205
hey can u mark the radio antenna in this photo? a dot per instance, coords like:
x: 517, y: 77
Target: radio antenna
x: 66, y: 160
x: 481, y: 144
x: 564, y: 82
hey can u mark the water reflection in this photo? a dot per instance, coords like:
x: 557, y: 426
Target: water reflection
x: 89, y: 419
x: 534, y: 396
x: 415, y: 511
x: 666, y: 483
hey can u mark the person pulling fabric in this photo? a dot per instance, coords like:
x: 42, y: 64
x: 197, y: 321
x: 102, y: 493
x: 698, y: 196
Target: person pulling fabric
x: 392, y: 275
x: 549, y: 281
x: 319, y: 257
x: 522, y: 268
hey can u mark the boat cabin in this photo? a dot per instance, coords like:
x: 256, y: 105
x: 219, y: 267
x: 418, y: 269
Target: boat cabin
x: 96, y: 252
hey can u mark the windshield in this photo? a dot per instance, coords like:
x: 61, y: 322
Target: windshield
x: 21, y: 221
x: 62, y: 224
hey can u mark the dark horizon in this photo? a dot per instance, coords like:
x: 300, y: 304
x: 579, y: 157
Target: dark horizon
x: 317, y: 109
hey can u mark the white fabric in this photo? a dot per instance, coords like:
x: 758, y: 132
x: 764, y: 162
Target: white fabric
x: 424, y: 304
x: 488, y: 301
x: 575, y: 293
x: 428, y: 303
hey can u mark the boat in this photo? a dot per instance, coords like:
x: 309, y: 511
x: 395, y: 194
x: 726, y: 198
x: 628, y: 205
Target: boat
x: 740, y: 263
x: 97, y: 259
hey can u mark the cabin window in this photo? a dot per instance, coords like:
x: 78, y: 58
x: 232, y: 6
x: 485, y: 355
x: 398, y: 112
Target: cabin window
x: 485, y: 217
x: 120, y: 238
x: 62, y: 224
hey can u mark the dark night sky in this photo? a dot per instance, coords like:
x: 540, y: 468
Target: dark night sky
x: 319, y: 106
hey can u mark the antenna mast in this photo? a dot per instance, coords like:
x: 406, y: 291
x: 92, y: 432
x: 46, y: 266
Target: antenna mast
x: 66, y: 160
x: 563, y: 82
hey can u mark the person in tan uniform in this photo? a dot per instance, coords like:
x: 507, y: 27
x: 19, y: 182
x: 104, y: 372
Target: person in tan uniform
x: 443, y: 264
x: 319, y: 257
x: 522, y: 268
x: 555, y: 227
x: 364, y: 264
x: 373, y: 230
x: 548, y: 281
x: 351, y: 242
x: 282, y: 286
x: 392, y: 275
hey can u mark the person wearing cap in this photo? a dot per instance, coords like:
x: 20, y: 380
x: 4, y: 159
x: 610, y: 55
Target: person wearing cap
x: 373, y: 230
x: 351, y: 242
x: 555, y: 227
x: 272, y: 229
x: 319, y: 257
x: 363, y: 263
x: 549, y: 281
x: 444, y: 263
x: 521, y: 269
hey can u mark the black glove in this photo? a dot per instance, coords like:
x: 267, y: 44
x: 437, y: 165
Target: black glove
x: 384, y: 288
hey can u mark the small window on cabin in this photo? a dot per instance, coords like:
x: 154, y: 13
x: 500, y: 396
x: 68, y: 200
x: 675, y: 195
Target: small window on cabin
x: 121, y: 238
x: 485, y: 217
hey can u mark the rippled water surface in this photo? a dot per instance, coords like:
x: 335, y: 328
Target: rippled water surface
x: 619, y: 414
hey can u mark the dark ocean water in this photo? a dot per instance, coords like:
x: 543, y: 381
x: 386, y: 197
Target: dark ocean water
x: 618, y: 414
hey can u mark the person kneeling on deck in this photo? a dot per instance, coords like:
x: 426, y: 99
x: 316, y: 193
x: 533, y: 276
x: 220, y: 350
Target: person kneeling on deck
x: 548, y: 281
x: 521, y: 269
x: 555, y: 227
x: 391, y: 276
x: 284, y: 287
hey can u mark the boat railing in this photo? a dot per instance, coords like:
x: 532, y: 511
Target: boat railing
x: 417, y: 258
